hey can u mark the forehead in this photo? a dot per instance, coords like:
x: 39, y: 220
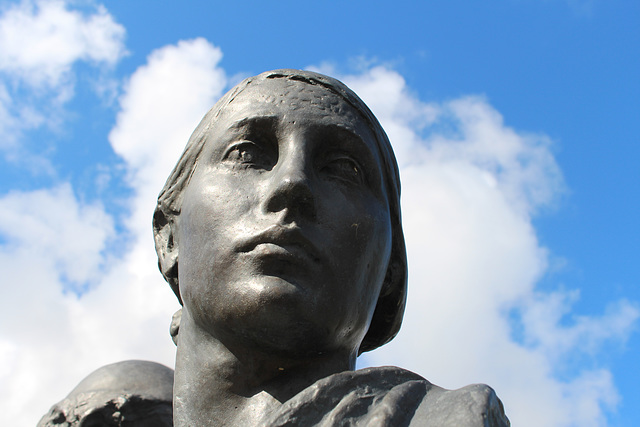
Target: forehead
x: 289, y: 99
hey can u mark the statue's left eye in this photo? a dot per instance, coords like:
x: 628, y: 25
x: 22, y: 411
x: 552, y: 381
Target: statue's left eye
x: 343, y: 168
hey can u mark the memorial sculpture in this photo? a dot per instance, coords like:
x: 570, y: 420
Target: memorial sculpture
x: 132, y: 393
x: 279, y: 231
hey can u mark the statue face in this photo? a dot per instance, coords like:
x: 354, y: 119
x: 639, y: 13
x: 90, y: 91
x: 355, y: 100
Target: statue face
x: 284, y: 234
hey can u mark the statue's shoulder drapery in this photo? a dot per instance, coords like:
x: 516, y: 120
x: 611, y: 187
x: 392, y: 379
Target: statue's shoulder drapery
x: 389, y: 396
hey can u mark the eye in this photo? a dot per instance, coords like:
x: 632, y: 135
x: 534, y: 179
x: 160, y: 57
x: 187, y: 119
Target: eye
x: 343, y: 168
x: 250, y: 155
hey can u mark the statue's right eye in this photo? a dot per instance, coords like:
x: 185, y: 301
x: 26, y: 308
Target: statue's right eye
x: 248, y: 154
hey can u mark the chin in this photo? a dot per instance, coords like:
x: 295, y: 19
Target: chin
x: 277, y: 316
x: 292, y: 332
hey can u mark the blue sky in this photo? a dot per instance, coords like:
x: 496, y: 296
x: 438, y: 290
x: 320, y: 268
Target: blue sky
x: 516, y: 127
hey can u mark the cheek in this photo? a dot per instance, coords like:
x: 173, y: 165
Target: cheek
x: 371, y: 232
x: 209, y: 220
x: 364, y: 258
x: 377, y: 245
x: 213, y: 208
x: 363, y: 265
x: 377, y: 253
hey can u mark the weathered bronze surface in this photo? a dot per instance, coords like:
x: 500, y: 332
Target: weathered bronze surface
x: 133, y: 393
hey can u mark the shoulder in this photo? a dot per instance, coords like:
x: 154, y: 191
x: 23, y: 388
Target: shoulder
x: 389, y: 396
x: 475, y: 405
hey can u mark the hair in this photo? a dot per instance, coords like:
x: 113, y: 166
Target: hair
x: 389, y: 309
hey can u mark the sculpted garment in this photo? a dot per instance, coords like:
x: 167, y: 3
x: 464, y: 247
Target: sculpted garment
x: 389, y: 396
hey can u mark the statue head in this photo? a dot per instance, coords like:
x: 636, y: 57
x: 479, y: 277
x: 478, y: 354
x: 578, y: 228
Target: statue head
x: 286, y: 205
x: 129, y: 393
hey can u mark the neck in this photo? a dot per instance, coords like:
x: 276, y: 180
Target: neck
x: 217, y: 384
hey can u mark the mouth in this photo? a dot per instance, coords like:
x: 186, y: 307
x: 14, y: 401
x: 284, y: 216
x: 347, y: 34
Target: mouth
x: 286, y: 243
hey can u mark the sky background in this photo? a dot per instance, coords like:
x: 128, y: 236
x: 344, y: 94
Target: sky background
x: 515, y: 123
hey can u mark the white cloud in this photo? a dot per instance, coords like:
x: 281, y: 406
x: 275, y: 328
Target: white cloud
x: 163, y: 102
x: 543, y: 317
x: 470, y: 187
x: 70, y: 235
x: 50, y: 236
x: 41, y: 40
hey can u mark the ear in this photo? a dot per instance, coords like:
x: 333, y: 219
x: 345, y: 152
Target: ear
x: 174, y: 329
x: 165, y: 232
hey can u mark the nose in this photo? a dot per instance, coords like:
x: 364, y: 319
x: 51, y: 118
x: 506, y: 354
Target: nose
x: 290, y: 190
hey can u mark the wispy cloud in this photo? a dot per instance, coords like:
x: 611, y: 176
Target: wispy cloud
x: 40, y: 43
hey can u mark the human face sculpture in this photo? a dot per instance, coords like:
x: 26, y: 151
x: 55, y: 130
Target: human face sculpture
x: 285, y: 231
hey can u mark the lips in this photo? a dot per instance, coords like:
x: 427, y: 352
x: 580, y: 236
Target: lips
x: 280, y: 241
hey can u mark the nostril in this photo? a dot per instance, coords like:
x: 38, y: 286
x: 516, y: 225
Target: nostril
x: 293, y: 196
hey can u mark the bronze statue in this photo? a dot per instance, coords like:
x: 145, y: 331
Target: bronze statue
x: 132, y: 393
x: 279, y: 231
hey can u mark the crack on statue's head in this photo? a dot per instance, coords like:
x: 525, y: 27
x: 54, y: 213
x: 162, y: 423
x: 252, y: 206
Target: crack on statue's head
x: 390, y: 303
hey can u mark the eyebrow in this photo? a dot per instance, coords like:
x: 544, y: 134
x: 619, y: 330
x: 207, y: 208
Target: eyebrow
x: 348, y: 134
x: 253, y: 120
